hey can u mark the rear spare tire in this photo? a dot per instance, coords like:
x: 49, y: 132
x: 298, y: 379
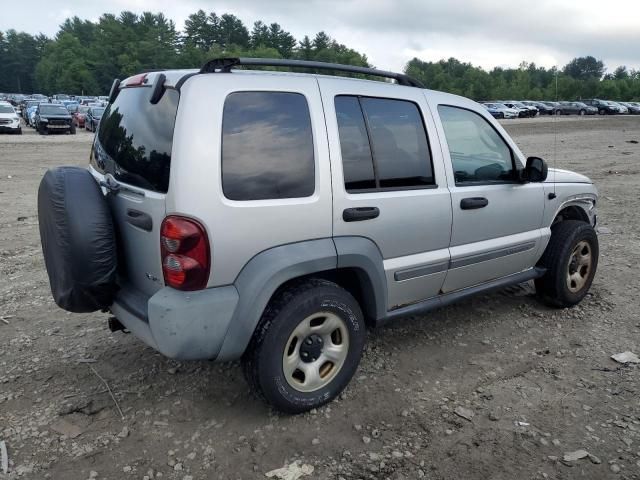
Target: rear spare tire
x: 78, y: 240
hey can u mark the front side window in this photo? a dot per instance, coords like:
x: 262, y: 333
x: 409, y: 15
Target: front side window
x: 383, y: 144
x: 267, y: 146
x: 478, y: 153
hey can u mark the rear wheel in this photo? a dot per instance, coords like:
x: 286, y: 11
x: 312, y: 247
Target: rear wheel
x: 601, y: 111
x: 306, y: 347
x: 558, y: 112
x: 583, y: 112
x: 571, y: 260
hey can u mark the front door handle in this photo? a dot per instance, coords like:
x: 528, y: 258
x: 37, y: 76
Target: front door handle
x: 473, y: 203
x: 360, y: 213
x: 139, y: 219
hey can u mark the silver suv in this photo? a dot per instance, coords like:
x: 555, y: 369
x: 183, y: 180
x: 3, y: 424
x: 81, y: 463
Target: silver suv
x: 272, y: 217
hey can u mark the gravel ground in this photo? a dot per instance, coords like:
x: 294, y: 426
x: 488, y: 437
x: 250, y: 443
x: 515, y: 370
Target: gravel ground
x: 497, y: 387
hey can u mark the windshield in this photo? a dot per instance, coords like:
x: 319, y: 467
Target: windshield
x: 97, y: 112
x: 6, y: 109
x: 53, y: 110
x: 82, y: 109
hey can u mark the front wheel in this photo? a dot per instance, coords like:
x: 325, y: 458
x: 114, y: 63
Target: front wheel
x: 571, y: 260
x: 558, y: 112
x: 583, y: 112
x: 307, y: 346
x: 601, y: 111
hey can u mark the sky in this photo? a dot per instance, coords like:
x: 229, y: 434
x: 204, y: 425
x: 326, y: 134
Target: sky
x: 486, y: 33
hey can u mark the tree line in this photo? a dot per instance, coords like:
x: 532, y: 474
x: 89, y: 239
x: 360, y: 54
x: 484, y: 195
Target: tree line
x: 85, y: 57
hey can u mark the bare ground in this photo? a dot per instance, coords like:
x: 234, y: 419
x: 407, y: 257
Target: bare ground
x: 539, y: 382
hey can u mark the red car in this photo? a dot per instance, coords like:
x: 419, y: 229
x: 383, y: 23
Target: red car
x: 79, y: 115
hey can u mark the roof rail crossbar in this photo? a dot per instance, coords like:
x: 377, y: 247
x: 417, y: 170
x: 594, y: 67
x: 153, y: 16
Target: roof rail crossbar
x: 224, y: 65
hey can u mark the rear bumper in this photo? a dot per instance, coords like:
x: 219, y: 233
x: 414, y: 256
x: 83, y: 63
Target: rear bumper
x: 181, y: 325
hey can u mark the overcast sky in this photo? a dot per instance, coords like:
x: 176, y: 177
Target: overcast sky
x: 487, y: 33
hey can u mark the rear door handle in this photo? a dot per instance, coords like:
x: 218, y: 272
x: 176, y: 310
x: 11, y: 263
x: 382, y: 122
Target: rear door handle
x: 360, y: 213
x: 139, y: 219
x: 473, y: 203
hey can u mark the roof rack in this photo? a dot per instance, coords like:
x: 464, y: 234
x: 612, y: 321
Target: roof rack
x: 224, y: 65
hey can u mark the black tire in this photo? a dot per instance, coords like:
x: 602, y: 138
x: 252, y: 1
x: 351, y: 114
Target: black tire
x: 583, y: 112
x: 72, y: 130
x: 558, y: 112
x: 263, y: 361
x: 78, y: 240
x: 601, y: 111
x: 553, y: 287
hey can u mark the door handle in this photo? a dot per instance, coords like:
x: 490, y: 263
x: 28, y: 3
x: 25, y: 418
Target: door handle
x: 473, y: 203
x: 139, y: 219
x: 360, y: 213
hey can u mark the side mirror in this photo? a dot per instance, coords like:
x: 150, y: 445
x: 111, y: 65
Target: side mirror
x: 536, y: 170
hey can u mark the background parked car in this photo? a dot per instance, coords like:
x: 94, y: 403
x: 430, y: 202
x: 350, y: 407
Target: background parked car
x: 634, y: 107
x: 621, y: 108
x: 524, y: 110
x: 9, y: 119
x: 502, y: 110
x: 51, y: 117
x: 495, y: 112
x: 575, y: 108
x: 92, y: 118
x: 79, y: 115
x: 542, y: 108
x: 29, y: 104
x: 604, y: 107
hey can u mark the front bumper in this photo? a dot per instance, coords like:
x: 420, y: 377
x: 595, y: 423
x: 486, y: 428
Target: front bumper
x: 181, y: 325
x: 10, y: 127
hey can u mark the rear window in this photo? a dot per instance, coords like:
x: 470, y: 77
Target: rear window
x: 135, y: 137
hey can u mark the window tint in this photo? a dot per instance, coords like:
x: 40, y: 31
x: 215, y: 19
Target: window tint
x: 383, y: 144
x: 478, y: 153
x: 399, y: 143
x: 135, y: 137
x: 357, y: 161
x: 267, y: 146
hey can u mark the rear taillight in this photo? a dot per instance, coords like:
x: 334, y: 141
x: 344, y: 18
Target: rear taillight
x: 185, y: 253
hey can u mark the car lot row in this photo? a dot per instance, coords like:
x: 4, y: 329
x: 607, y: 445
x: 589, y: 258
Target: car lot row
x: 49, y: 116
x: 530, y: 108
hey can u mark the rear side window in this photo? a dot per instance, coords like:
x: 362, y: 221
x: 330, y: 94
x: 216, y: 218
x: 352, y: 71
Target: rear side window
x: 383, y: 143
x: 135, y: 138
x: 267, y: 146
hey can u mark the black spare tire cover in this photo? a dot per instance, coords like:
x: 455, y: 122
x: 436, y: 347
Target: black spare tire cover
x: 78, y: 240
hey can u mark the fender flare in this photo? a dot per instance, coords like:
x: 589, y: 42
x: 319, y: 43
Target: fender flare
x: 267, y: 271
x: 261, y: 277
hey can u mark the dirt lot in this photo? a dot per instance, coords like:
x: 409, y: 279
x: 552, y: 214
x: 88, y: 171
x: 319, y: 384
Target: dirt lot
x: 539, y: 382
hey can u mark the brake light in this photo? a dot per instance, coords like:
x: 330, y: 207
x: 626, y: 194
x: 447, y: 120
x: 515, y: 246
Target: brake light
x: 136, y: 80
x: 184, y: 248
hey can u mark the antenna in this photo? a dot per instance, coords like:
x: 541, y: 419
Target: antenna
x: 555, y: 141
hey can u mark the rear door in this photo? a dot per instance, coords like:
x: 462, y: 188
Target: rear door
x: 389, y: 183
x: 132, y: 151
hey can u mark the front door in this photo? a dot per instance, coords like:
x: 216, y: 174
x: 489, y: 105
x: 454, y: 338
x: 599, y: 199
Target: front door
x: 389, y: 183
x: 496, y: 219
